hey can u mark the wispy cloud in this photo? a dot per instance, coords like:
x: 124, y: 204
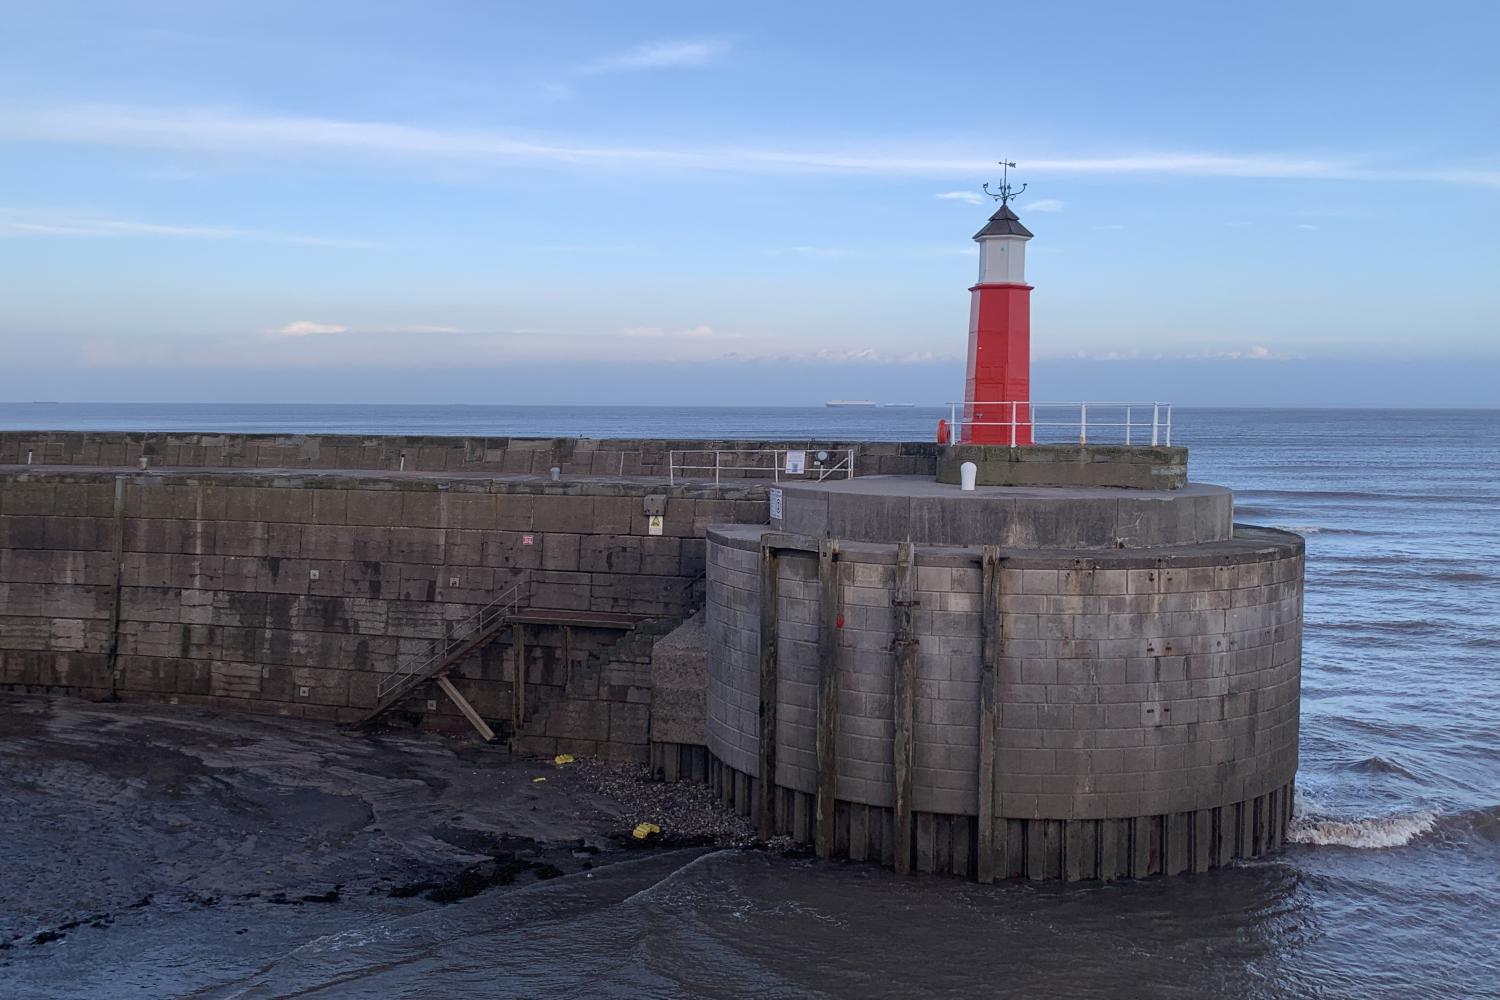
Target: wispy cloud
x: 683, y: 53
x: 1257, y: 352
x: 699, y: 332
x: 1306, y: 225
x: 16, y: 223
x: 211, y: 130
x: 972, y: 197
x: 307, y: 328
x: 1043, y: 205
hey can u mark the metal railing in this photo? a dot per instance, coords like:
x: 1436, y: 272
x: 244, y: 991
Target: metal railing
x: 1120, y: 423
x: 415, y: 668
x: 785, y: 463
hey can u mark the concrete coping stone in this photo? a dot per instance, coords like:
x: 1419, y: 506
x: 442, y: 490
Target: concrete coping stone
x: 1250, y: 544
x: 421, y: 482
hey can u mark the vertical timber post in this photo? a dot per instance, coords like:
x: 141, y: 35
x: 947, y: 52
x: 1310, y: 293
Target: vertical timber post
x: 768, y: 691
x: 117, y: 558
x: 828, y: 695
x: 518, y: 689
x: 989, y: 658
x: 904, y: 700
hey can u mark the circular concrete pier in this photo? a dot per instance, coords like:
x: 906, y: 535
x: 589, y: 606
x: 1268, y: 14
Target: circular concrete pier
x: 1051, y: 683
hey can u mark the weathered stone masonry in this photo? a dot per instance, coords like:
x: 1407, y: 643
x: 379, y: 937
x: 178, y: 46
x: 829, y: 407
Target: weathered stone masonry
x: 291, y: 593
x: 1055, y: 677
x: 1080, y: 698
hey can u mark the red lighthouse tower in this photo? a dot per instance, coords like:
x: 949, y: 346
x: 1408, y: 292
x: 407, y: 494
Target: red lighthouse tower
x: 997, y: 388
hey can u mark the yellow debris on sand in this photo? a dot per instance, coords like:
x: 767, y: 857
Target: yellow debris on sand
x: 563, y: 758
x: 644, y: 830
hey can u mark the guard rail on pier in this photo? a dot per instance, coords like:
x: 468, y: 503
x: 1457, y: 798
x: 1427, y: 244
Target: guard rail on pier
x: 1056, y: 423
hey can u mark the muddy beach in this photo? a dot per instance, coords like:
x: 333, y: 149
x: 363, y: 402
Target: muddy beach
x: 175, y: 850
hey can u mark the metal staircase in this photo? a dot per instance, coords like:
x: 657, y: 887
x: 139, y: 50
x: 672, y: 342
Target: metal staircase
x: 442, y: 655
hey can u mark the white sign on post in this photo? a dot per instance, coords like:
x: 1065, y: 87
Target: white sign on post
x: 775, y: 504
x: 796, y: 463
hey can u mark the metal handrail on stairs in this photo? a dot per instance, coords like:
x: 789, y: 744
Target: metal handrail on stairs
x: 414, y: 669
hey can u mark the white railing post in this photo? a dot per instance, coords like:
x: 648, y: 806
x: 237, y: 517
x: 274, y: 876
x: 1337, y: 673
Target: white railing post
x: 1012, y: 423
x: 1155, y: 422
x: 953, y: 435
x: 671, y: 468
x: 1169, y: 425
x: 1127, y: 424
x: 1083, y: 424
x: 717, y: 457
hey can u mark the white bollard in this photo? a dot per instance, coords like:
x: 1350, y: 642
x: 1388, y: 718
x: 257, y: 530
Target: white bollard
x: 966, y: 475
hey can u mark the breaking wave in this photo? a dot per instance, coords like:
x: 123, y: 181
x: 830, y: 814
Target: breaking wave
x: 1370, y: 833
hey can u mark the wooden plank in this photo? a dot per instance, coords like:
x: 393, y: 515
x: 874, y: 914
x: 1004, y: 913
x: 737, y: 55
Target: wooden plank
x: 859, y: 831
x: 1073, y: 850
x: 518, y: 689
x: 1109, y: 850
x: 463, y: 706
x: 1202, y: 835
x: 117, y: 573
x: 1140, y: 846
x: 800, y: 819
x: 989, y: 658
x: 904, y: 701
x: 828, y: 696
x: 963, y: 846
x: 942, y: 843
x: 1178, y: 845
x: 885, y: 832
x: 1013, y: 833
x: 768, y: 688
x: 925, y: 847
x: 1262, y: 823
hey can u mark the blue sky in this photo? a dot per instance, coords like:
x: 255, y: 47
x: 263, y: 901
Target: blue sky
x: 577, y: 202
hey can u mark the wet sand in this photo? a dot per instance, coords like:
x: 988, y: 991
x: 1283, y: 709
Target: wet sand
x: 174, y: 849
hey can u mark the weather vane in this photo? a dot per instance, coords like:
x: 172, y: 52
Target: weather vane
x: 1003, y: 194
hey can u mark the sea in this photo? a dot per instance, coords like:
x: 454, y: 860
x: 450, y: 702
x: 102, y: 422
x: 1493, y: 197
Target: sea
x: 1390, y: 886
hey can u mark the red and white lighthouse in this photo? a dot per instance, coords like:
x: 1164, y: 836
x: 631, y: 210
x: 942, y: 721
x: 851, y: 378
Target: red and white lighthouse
x: 997, y: 387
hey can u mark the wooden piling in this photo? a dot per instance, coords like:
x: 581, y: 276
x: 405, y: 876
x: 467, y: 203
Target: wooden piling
x: 117, y: 576
x: 904, y: 701
x: 989, y: 659
x: 828, y: 695
x: 518, y: 689
x: 768, y: 690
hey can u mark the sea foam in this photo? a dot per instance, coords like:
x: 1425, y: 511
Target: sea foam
x: 1370, y: 833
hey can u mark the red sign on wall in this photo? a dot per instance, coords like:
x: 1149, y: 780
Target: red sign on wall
x: 528, y: 539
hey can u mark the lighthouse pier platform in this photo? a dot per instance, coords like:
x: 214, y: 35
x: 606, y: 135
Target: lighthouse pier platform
x: 1064, y: 681
x: 1075, y: 683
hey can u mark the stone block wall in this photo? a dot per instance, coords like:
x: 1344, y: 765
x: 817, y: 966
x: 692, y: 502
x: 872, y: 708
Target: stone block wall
x: 294, y: 593
x: 1130, y: 684
x: 430, y: 454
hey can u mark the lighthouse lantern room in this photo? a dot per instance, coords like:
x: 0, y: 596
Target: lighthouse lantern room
x: 997, y: 388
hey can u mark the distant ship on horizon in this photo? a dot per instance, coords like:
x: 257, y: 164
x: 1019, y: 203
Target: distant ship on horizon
x: 850, y: 402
